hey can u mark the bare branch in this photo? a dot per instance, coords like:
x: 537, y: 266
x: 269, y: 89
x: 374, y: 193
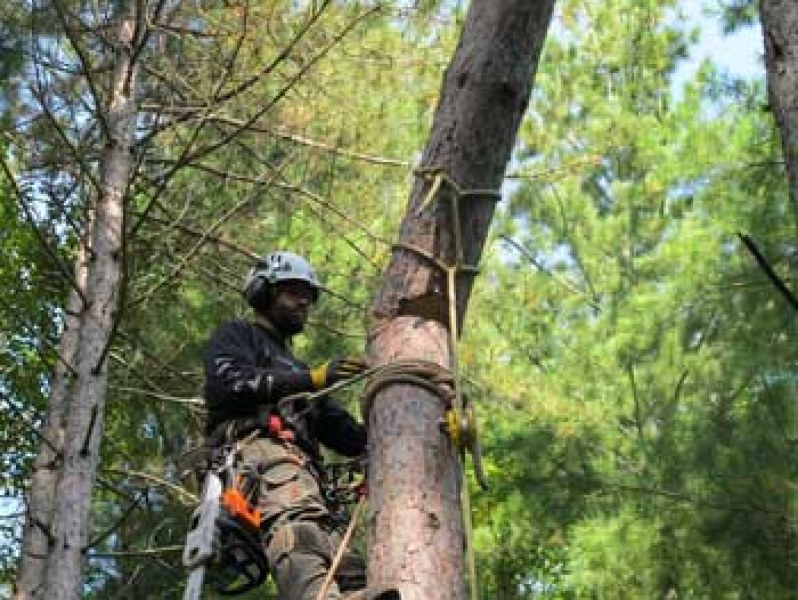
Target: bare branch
x: 543, y: 269
x: 288, y: 187
x: 184, y: 496
x: 178, y: 268
x: 142, y: 552
x: 85, y: 63
x: 205, y: 151
x: 763, y: 263
x: 79, y: 157
x: 193, y: 401
x: 119, y: 522
x: 283, y: 55
x: 310, y: 143
x: 556, y: 173
x: 216, y: 239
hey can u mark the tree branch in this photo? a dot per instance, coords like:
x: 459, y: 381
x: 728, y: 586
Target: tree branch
x: 763, y: 263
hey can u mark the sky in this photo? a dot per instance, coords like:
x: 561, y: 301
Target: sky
x: 740, y: 53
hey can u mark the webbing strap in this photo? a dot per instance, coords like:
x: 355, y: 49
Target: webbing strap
x: 440, y: 177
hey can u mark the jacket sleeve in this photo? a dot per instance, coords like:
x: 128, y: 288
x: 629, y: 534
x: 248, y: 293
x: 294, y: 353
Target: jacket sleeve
x: 338, y: 430
x: 232, y: 374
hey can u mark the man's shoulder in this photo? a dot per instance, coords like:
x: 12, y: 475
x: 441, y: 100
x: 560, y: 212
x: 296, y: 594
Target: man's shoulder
x: 240, y: 330
x: 232, y: 327
x: 235, y: 323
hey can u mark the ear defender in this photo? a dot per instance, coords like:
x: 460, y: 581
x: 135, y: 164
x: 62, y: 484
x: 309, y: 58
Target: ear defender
x: 258, y: 288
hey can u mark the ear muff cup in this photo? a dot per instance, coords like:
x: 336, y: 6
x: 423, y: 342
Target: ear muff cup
x: 258, y: 292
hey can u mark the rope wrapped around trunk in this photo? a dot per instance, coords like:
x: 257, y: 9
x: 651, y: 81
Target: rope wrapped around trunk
x: 429, y: 376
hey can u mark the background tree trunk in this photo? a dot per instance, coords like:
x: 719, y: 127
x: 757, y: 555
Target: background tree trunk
x: 44, y: 480
x: 85, y: 420
x: 780, y: 31
x: 415, y: 536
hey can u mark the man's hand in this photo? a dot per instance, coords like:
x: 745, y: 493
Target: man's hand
x: 336, y: 370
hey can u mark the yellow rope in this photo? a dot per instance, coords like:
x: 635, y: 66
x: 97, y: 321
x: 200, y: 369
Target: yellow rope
x: 439, y: 177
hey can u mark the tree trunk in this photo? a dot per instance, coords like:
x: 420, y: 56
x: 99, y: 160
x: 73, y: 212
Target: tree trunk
x: 415, y: 533
x: 44, y: 479
x: 780, y: 31
x: 85, y: 419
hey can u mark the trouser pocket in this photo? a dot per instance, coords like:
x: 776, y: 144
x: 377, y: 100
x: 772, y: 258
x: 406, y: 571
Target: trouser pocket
x: 286, y: 484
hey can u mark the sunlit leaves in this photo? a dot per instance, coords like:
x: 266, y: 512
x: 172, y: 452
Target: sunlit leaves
x: 629, y: 320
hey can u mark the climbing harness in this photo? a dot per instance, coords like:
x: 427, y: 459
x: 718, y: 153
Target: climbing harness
x: 224, y: 539
x: 343, y: 484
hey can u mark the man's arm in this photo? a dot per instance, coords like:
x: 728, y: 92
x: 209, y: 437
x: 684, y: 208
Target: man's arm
x: 338, y: 430
x: 232, y: 374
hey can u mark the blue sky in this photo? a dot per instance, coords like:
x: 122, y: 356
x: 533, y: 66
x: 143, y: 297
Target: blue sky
x: 740, y: 53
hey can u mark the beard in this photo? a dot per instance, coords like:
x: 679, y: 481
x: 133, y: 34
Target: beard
x: 288, y: 321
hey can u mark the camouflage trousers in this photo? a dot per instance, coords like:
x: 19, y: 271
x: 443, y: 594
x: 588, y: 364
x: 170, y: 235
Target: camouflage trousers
x: 300, y: 540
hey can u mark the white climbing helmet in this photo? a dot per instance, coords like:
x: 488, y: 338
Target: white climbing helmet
x: 276, y: 267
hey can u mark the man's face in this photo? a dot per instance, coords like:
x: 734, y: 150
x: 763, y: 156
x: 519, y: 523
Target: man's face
x: 289, y: 310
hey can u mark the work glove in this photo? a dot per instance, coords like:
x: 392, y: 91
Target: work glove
x: 336, y: 370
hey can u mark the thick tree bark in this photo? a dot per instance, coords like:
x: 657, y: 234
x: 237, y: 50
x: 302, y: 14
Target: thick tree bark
x: 44, y: 479
x: 415, y: 536
x: 780, y: 31
x: 85, y: 419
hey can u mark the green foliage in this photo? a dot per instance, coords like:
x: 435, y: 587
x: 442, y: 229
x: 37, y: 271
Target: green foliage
x: 633, y: 369
x: 634, y: 327
x: 317, y: 175
x: 737, y: 14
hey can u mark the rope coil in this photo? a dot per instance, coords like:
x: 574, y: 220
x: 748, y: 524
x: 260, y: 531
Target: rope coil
x: 423, y: 374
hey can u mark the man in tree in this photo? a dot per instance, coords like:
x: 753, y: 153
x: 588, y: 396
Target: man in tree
x: 249, y: 369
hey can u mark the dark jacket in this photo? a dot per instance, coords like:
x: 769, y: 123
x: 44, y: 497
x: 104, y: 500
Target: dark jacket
x: 248, y: 369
